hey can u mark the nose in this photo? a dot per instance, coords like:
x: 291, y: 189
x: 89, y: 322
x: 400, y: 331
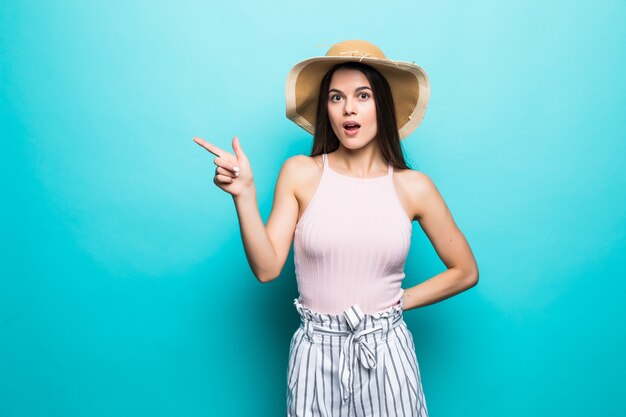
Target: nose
x: 349, y: 107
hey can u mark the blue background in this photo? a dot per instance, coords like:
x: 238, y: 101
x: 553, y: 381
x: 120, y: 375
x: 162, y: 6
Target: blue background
x: 124, y: 286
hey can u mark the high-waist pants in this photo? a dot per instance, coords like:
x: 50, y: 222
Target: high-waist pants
x: 353, y: 365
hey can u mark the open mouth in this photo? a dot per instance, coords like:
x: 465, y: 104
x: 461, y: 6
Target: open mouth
x: 351, y: 126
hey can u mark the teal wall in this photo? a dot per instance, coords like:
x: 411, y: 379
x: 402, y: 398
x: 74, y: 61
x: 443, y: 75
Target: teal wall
x: 124, y: 287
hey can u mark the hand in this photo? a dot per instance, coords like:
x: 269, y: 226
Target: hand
x: 233, y: 173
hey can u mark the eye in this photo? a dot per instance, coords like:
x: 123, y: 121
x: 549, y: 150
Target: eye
x: 335, y: 97
x: 364, y: 96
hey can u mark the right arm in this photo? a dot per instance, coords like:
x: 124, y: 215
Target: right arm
x: 266, y: 247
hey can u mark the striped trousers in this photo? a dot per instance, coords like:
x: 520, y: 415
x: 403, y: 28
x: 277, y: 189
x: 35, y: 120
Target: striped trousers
x: 353, y: 365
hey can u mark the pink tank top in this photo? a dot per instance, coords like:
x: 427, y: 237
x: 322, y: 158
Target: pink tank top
x: 351, y: 244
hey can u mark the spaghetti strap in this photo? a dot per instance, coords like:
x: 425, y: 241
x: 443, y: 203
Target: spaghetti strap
x: 390, y: 170
x: 324, y: 160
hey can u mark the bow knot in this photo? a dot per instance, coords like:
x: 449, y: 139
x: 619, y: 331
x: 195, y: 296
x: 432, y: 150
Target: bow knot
x: 353, y: 348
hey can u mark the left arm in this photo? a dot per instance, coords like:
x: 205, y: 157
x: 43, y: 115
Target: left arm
x: 448, y: 241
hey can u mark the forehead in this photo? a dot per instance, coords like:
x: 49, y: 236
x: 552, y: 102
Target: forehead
x: 348, y: 78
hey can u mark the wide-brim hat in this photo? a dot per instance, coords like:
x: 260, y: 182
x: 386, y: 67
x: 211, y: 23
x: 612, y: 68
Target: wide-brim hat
x: 409, y: 84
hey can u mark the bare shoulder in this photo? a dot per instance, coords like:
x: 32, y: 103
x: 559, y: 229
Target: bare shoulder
x: 302, y: 173
x: 300, y: 170
x: 415, y: 189
x: 414, y: 180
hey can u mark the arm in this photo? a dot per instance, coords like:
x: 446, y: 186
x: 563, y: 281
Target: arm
x: 448, y: 241
x: 266, y: 247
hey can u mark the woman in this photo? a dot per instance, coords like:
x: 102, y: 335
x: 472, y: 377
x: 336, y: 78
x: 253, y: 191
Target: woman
x: 348, y: 209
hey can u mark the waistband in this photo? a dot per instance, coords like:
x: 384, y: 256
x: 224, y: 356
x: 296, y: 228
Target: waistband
x: 358, y: 328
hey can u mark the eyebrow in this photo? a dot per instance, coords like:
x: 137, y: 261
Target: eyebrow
x: 357, y: 89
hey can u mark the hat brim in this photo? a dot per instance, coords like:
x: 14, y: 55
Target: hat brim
x: 409, y: 85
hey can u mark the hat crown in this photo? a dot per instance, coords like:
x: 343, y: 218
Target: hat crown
x: 356, y: 48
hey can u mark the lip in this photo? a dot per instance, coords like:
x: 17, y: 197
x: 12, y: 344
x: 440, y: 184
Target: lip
x: 350, y: 122
x: 353, y: 132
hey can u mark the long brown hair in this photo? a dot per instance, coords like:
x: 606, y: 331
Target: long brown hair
x: 325, y: 140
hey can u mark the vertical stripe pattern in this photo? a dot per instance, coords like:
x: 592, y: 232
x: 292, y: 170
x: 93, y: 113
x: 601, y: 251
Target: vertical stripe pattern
x: 390, y: 386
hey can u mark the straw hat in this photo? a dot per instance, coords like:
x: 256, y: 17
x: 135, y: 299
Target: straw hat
x: 409, y: 84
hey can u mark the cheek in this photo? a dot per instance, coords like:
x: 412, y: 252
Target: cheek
x: 332, y: 114
x: 372, y: 114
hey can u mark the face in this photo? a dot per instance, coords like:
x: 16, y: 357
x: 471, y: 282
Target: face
x: 351, y: 108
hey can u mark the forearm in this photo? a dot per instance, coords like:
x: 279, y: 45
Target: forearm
x: 444, y: 285
x: 257, y: 245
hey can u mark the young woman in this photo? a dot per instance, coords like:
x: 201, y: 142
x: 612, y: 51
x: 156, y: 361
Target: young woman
x: 348, y: 209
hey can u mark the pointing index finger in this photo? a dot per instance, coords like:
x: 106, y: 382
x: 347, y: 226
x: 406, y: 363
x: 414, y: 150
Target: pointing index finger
x: 210, y: 147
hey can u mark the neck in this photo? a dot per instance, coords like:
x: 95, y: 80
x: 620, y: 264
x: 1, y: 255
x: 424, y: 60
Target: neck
x: 362, y: 163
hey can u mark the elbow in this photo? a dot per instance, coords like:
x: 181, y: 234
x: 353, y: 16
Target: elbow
x: 265, y: 277
x: 472, y: 278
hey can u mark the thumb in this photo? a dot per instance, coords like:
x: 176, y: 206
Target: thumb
x: 237, y: 148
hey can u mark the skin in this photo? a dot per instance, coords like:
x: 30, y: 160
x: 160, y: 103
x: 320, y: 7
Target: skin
x: 267, y: 246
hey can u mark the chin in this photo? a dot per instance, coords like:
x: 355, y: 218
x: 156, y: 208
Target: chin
x: 355, y: 146
x: 355, y: 143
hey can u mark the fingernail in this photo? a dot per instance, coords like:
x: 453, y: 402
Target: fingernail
x: 237, y: 174
x: 236, y: 169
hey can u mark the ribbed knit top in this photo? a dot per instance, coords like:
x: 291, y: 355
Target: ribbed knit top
x: 351, y: 244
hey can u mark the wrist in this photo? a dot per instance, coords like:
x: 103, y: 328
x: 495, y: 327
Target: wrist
x: 247, y: 193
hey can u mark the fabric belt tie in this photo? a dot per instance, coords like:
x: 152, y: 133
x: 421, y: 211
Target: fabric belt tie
x: 353, y: 348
